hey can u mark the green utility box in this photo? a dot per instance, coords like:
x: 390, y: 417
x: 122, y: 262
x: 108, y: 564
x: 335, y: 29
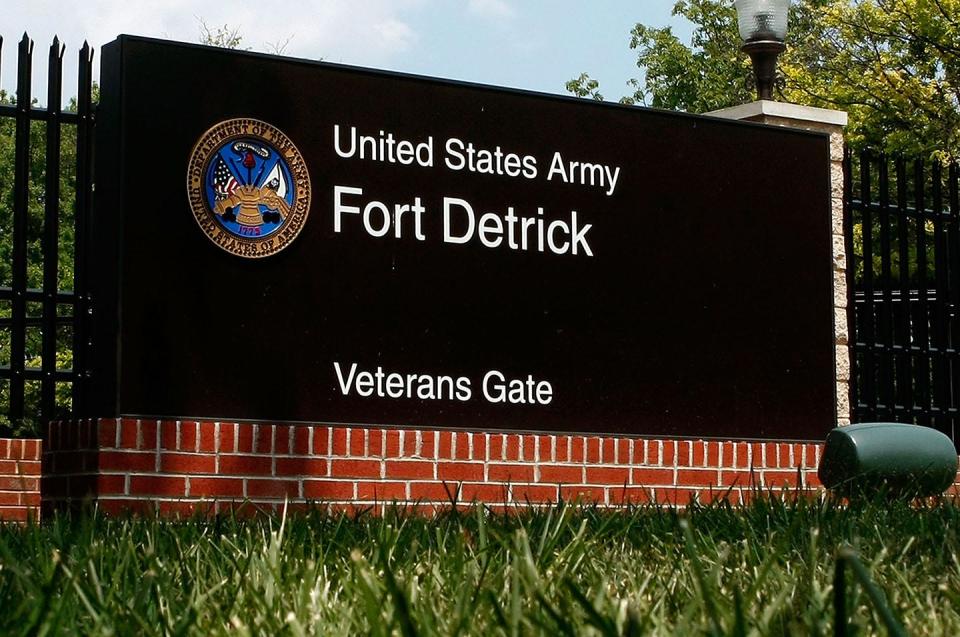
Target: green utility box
x: 892, y: 458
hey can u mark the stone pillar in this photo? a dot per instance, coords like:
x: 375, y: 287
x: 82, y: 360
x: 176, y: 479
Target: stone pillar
x: 832, y: 123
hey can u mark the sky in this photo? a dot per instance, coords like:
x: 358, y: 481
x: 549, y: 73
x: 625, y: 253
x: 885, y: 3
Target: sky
x: 528, y: 44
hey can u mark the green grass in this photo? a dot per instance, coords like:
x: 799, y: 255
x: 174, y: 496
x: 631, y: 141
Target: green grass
x: 767, y: 569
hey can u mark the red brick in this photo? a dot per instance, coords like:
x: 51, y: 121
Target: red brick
x: 158, y: 485
x: 4, y: 448
x: 111, y: 485
x: 29, y: 468
x: 358, y: 443
x: 128, y: 461
x: 188, y: 435
x: 355, y: 468
x: 208, y: 442
x: 727, y: 461
x: 676, y: 497
x: 583, y: 493
x: 339, y: 441
x: 783, y: 455
x: 273, y: 488
x: 593, y: 450
x: 376, y: 441
x: 434, y: 491
x: 31, y: 498
x: 528, y: 446
x: 623, y: 450
x: 738, y: 478
x: 629, y: 495
x: 778, y: 479
x: 463, y: 446
x: 497, y: 447
x: 409, y: 443
x: 10, y: 498
x: 328, y: 489
x: 263, y: 439
x: 14, y: 514
x: 8, y: 467
x: 428, y: 444
x: 686, y: 454
x: 148, y: 435
x: 608, y: 475
x: 652, y: 477
x: 699, y: 454
x: 244, y: 438
x: 245, y: 465
x: 563, y: 474
x: 168, y: 435
x: 187, y: 463
x: 756, y: 454
x: 650, y: 450
x: 459, y: 471
x: 31, y: 449
x: 128, y: 433
x: 607, y: 447
x: 445, y: 446
x: 696, y: 477
x: 562, y: 449
x: 512, y: 448
x: 321, y: 441
x: 743, y: 455
x: 227, y: 441
x: 534, y: 493
x: 393, y: 443
x: 771, y: 454
x: 713, y: 453
x: 578, y: 448
x: 510, y: 473
x: 675, y: 453
x: 282, y: 434
x: 812, y: 479
x: 301, y: 441
x: 318, y: 467
x: 409, y: 469
x: 381, y: 491
x: 484, y: 492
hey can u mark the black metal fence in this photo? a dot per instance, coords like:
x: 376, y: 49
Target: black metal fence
x: 45, y: 196
x: 903, y: 239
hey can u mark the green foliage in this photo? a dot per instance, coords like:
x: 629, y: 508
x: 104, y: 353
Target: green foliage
x: 765, y: 569
x: 894, y: 65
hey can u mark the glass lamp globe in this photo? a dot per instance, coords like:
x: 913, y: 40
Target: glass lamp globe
x: 762, y: 19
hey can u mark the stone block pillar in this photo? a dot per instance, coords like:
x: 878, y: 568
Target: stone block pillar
x: 832, y: 123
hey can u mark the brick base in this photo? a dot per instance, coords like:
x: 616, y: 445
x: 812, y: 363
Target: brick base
x: 19, y: 480
x: 184, y: 465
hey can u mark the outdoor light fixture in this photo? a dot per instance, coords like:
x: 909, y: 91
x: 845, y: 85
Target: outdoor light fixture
x: 893, y: 459
x: 763, y: 27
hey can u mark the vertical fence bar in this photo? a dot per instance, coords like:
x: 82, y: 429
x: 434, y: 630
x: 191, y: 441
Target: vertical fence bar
x: 885, y: 357
x: 953, y: 285
x: 941, y: 383
x: 868, y: 369
x: 51, y: 233
x: 904, y: 335
x: 21, y: 186
x: 923, y: 313
x: 848, y: 243
x: 81, y: 307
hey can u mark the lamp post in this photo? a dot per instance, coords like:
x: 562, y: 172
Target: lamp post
x: 763, y: 27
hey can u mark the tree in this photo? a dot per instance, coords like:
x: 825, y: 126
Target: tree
x: 893, y: 65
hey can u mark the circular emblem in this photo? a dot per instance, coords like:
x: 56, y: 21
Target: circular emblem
x: 248, y: 187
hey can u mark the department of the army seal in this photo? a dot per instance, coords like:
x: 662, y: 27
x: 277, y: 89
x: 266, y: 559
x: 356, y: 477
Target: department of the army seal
x: 248, y: 186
